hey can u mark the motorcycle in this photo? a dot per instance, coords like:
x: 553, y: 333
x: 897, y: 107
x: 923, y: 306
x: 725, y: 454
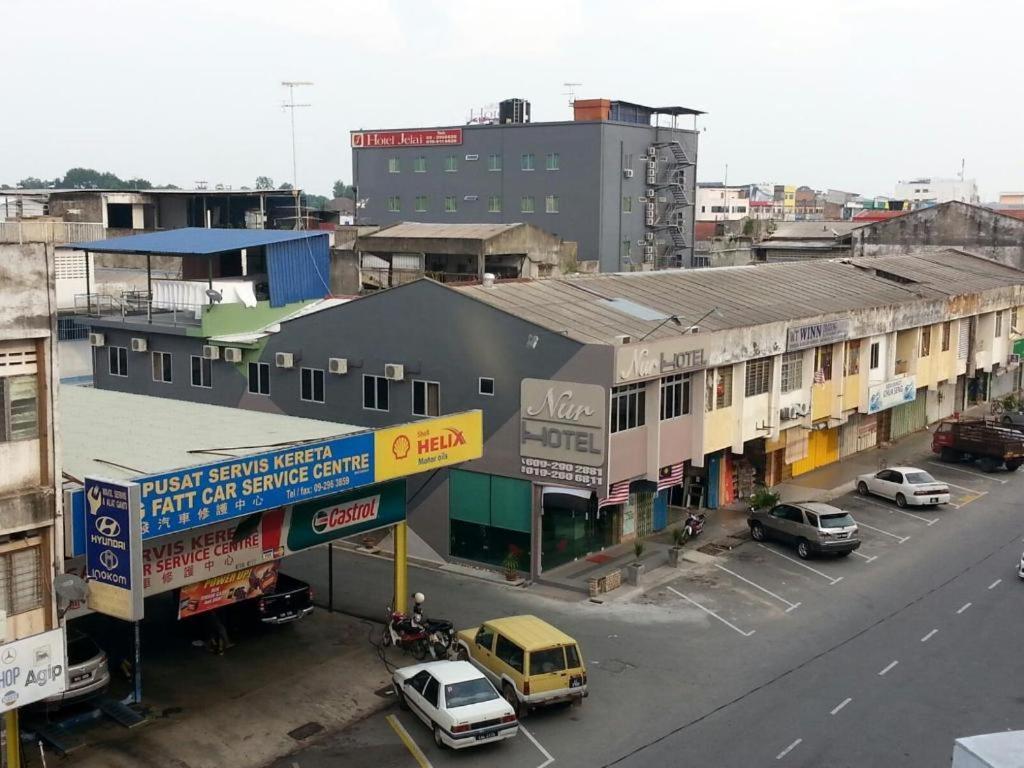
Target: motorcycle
x: 433, y: 637
x: 694, y: 525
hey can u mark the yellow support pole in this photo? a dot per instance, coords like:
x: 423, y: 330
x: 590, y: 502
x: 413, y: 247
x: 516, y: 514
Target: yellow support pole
x: 401, y: 569
x: 13, y: 739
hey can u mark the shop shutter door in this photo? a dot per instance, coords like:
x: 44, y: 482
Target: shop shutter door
x: 468, y: 496
x: 963, y: 340
x: 511, y: 503
x: 910, y: 417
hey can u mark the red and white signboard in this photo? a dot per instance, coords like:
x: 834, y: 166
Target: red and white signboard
x: 385, y: 139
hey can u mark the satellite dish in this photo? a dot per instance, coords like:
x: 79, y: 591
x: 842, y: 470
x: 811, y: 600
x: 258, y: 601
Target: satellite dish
x: 70, y: 587
x: 215, y: 296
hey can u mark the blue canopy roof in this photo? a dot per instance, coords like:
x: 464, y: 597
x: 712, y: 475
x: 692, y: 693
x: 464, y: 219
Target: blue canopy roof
x: 192, y: 241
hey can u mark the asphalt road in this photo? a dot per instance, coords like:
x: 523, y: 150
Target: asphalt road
x: 878, y: 659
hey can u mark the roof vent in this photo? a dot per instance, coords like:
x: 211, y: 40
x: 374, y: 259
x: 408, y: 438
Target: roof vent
x: 488, y: 280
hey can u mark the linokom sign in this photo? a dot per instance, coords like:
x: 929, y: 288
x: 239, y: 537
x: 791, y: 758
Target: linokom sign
x: 387, y: 139
x: 188, y: 498
x: 113, y: 548
x: 562, y: 431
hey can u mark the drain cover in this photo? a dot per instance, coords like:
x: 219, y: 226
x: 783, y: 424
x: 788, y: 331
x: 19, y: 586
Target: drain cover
x: 712, y: 549
x: 305, y: 731
x: 386, y: 692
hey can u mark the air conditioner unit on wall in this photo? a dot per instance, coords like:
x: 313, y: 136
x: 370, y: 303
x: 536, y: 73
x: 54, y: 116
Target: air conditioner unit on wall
x: 801, y: 409
x: 211, y: 352
x: 232, y: 355
x: 627, y: 172
x: 338, y: 365
x: 649, y: 237
x: 786, y: 413
x: 394, y: 371
x: 96, y: 340
x: 285, y: 359
x: 138, y: 345
x: 652, y: 151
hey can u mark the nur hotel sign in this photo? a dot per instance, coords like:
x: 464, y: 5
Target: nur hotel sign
x: 563, y: 431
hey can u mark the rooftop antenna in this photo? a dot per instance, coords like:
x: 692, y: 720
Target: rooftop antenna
x: 291, y: 85
x: 963, y: 164
x: 570, y: 91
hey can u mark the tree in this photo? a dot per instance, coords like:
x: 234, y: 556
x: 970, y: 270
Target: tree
x: 31, y: 183
x: 264, y: 182
x: 316, y: 202
x: 285, y: 185
x: 341, y: 189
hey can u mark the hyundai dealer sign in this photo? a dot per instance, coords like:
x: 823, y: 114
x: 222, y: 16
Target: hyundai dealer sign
x: 113, y: 547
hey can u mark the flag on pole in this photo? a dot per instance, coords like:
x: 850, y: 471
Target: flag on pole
x: 618, y: 493
x: 670, y: 476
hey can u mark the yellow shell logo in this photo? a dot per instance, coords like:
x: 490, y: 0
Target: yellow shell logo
x: 400, y: 447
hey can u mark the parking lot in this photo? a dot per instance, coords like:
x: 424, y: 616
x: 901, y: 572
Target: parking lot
x: 756, y: 584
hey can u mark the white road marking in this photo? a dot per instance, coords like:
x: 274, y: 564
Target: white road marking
x: 888, y: 668
x: 802, y: 565
x: 842, y: 704
x: 963, y: 608
x: 929, y: 636
x: 869, y: 559
x: 995, y: 584
x: 964, y: 488
x: 890, y: 510
x: 758, y: 586
x: 901, y: 539
x: 788, y: 749
x: 711, y: 613
x: 968, y: 472
x: 548, y: 758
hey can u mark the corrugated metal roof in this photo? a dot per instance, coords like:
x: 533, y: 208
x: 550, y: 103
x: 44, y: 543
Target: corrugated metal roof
x: 298, y: 270
x: 812, y: 230
x: 423, y: 230
x: 97, y: 438
x: 744, y: 296
x: 191, y: 241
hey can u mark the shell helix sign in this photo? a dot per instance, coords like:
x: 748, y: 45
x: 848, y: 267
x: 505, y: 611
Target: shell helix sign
x: 427, y: 445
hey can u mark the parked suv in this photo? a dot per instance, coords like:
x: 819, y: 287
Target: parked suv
x: 812, y: 526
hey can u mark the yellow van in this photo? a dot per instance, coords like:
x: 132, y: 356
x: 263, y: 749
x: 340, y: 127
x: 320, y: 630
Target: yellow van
x: 531, y: 662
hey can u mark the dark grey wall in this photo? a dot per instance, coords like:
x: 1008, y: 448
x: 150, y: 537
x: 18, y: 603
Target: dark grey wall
x: 443, y: 335
x: 589, y: 183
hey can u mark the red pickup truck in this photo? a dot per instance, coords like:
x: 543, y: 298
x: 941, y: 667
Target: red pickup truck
x: 991, y: 445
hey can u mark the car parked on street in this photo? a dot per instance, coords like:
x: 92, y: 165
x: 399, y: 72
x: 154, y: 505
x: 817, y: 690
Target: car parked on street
x: 456, y: 701
x: 291, y: 600
x: 812, y: 526
x: 907, y: 486
x: 532, y: 662
x: 88, y: 672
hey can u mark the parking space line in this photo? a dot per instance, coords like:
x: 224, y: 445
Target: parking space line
x: 842, y: 704
x: 547, y: 755
x: 928, y: 637
x: 963, y: 608
x: 995, y: 584
x: 968, y: 472
x: 788, y: 749
x: 802, y: 565
x: 901, y: 539
x: 887, y: 508
x: 968, y: 500
x: 964, y: 487
x: 758, y: 586
x: 869, y: 559
x: 711, y: 613
x: 411, y: 745
x: 893, y: 664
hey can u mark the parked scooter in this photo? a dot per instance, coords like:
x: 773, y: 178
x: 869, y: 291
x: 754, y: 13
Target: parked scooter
x: 693, y: 526
x: 416, y: 634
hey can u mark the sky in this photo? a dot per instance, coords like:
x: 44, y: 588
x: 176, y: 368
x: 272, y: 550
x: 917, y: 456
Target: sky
x: 831, y: 94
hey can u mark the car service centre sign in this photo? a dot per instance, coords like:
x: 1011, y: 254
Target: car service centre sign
x: 113, y: 548
x: 32, y: 669
x: 426, y: 445
x: 315, y: 522
x: 386, y: 139
x: 562, y: 433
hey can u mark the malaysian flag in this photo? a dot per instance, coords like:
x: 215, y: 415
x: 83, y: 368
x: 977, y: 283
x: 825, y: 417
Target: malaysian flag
x: 819, y: 377
x: 670, y: 476
x: 618, y: 493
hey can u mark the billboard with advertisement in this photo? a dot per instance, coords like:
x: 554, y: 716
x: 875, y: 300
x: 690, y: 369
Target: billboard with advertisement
x: 437, y: 137
x: 891, y: 393
x: 113, y: 548
x: 234, y: 587
x: 429, y: 444
x: 32, y: 669
x: 315, y: 522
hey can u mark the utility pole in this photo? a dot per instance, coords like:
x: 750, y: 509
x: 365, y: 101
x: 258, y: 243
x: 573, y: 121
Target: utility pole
x: 291, y: 85
x: 571, y: 92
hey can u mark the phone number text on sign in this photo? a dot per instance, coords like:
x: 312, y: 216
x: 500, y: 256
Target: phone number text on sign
x: 563, y: 470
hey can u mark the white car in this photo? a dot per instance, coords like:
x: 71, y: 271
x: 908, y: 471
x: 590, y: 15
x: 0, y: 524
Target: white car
x: 907, y: 486
x: 456, y: 702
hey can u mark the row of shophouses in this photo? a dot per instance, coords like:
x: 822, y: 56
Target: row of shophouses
x: 607, y: 398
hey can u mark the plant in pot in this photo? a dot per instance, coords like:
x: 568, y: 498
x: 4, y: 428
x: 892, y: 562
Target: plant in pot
x: 636, y: 569
x: 678, y: 540
x: 763, y: 498
x: 511, y: 566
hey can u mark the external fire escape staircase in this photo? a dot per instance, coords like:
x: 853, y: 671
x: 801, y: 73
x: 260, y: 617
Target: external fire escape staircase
x: 667, y: 166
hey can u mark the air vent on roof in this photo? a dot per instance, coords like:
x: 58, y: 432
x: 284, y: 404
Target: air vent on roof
x: 894, y: 277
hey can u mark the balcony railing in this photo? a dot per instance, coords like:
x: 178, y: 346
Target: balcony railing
x: 382, y: 277
x: 137, y: 307
x: 47, y: 231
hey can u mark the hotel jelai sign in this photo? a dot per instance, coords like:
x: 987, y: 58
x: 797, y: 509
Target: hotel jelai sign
x: 562, y: 436
x: 387, y: 139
